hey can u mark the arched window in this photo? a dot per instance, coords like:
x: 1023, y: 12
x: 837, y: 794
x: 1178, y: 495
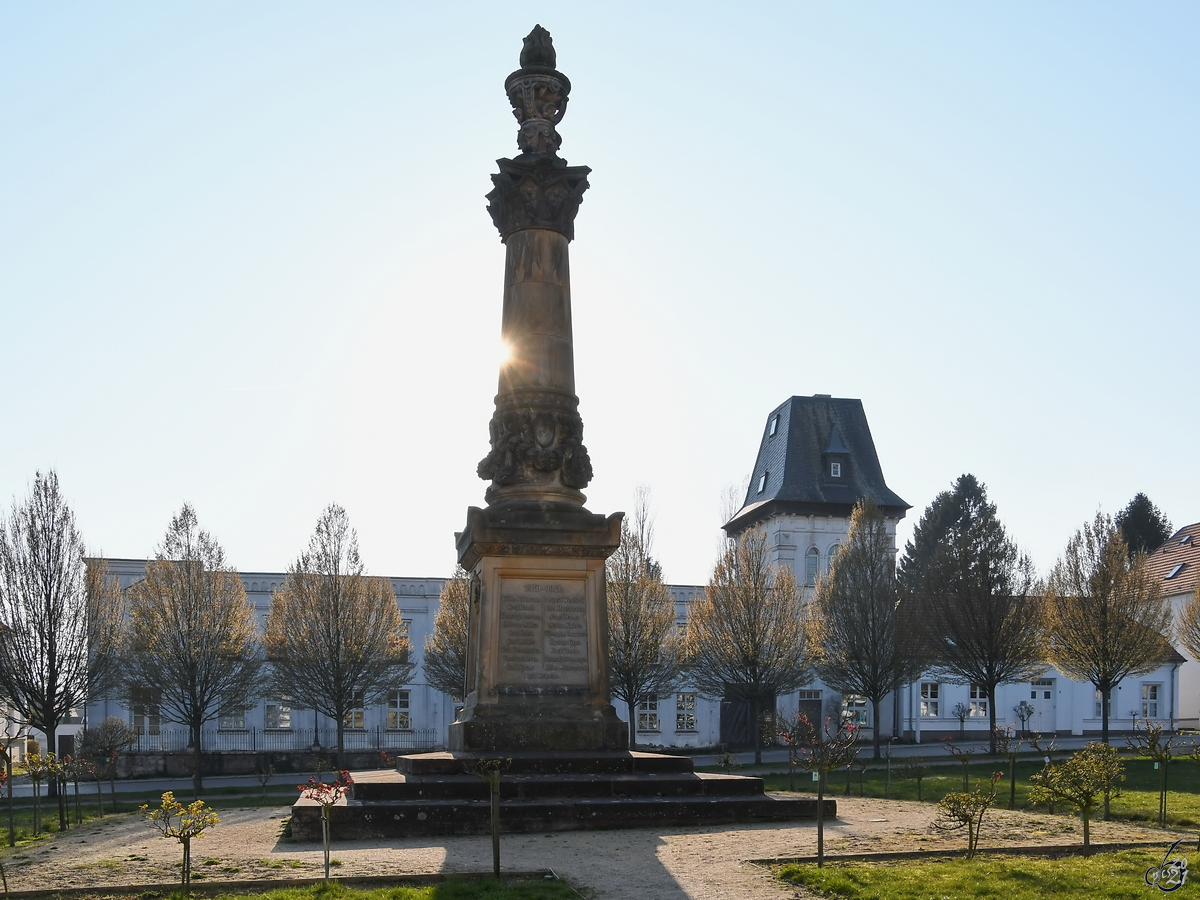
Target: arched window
x: 812, y: 560
x: 833, y: 552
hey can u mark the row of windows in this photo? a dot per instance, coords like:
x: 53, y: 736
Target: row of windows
x: 146, y: 718
x: 1043, y: 690
x: 685, y: 713
x: 1150, y: 695
x: 854, y: 709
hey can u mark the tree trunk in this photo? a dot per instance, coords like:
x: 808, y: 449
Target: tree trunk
x: 875, y: 741
x: 100, y: 796
x: 63, y: 821
x: 187, y: 863
x: 341, y: 742
x: 992, y: 719
x: 12, y: 830
x: 197, y: 761
x: 1105, y: 703
x: 820, y: 818
x: 1087, y: 831
x: 756, y: 728
x: 632, y: 725
x: 1012, y: 782
x: 494, y: 790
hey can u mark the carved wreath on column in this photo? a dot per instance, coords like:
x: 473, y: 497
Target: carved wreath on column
x: 543, y: 441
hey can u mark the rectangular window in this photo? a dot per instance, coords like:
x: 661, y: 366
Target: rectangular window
x: 1100, y: 714
x: 762, y: 482
x: 648, y: 715
x: 685, y: 712
x: 146, y: 719
x: 356, y: 715
x: 835, y: 470
x: 774, y: 426
x: 279, y: 713
x: 929, y: 699
x: 406, y: 626
x: 1150, y: 701
x: 398, y: 717
x: 978, y: 701
x: 232, y: 720
x: 854, y: 710
x: 810, y: 695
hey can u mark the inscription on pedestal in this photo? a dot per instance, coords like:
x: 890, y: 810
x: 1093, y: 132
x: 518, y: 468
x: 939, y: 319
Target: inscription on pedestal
x: 543, y: 632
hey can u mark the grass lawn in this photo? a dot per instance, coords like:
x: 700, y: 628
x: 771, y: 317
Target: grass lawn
x: 1105, y: 875
x: 483, y: 889
x: 1138, y: 800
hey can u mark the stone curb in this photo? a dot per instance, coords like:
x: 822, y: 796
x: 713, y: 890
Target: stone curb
x: 265, y: 884
x: 1035, y: 850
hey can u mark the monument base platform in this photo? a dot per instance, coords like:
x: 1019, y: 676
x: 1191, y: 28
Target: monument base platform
x: 434, y: 793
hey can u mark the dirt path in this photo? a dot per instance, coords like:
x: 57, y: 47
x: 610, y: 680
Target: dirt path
x: 704, y: 863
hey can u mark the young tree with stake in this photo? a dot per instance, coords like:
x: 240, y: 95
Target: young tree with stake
x: 1090, y: 775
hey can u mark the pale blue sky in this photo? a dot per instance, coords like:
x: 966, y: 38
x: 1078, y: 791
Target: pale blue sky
x: 245, y: 259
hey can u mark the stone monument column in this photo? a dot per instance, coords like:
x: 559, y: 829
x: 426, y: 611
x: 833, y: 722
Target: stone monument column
x: 537, y: 653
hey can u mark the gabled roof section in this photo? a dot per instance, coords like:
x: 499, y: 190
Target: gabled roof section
x: 801, y: 439
x: 1176, y: 563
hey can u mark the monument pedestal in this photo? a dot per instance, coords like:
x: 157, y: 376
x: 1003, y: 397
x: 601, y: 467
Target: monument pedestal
x: 434, y: 793
x: 537, y: 676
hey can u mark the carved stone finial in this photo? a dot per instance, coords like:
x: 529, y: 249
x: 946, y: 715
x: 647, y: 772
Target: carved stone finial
x: 538, y: 49
x: 538, y: 94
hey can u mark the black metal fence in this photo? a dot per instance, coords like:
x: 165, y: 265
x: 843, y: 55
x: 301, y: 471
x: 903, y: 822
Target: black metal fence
x: 258, y: 740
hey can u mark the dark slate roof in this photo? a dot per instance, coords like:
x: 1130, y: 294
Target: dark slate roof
x: 810, y: 433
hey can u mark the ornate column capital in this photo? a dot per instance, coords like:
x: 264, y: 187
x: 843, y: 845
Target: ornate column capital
x: 537, y: 191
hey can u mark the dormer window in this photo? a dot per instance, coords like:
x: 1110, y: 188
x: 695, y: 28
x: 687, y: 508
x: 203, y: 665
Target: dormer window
x: 835, y: 470
x: 773, y: 427
x: 762, y: 481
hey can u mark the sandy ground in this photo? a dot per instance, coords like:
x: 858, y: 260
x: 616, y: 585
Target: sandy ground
x: 705, y: 863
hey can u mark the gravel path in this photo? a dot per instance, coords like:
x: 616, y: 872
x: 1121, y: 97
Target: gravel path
x: 704, y: 863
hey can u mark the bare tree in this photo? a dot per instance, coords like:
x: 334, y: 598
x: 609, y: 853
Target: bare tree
x: 644, y: 645
x: 984, y: 626
x: 335, y: 639
x: 102, y: 743
x: 445, y: 661
x: 747, y: 639
x: 193, y: 639
x: 43, y: 609
x: 863, y: 640
x: 1106, y: 613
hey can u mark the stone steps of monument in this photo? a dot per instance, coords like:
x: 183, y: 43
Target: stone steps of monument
x: 547, y: 763
x: 356, y: 820
x: 671, y: 784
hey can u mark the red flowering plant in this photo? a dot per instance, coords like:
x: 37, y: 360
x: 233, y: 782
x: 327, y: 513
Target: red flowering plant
x: 326, y: 795
x: 820, y: 751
